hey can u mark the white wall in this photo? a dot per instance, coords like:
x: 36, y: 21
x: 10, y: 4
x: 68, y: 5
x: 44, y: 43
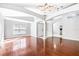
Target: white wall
x: 1, y: 29
x: 9, y: 28
x: 49, y: 29
x: 33, y: 29
x: 70, y: 27
x: 56, y: 28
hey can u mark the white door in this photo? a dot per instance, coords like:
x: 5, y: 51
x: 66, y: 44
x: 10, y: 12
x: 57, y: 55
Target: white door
x: 40, y: 29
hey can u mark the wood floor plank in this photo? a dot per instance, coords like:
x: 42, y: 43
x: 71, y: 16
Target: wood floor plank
x: 54, y: 46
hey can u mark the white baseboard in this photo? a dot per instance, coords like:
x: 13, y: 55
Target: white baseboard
x: 64, y: 37
x: 68, y: 38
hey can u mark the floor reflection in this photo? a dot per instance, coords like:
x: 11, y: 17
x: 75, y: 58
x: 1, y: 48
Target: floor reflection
x: 51, y: 46
x: 61, y: 42
x: 57, y: 46
x: 40, y: 47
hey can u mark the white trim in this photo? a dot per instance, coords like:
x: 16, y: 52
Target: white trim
x: 68, y: 38
x: 12, y: 19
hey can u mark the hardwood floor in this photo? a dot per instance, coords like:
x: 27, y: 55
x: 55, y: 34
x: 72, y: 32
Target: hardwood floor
x: 51, y: 46
x: 61, y: 47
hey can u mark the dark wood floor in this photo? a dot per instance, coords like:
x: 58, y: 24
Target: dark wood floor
x: 51, y: 46
x: 61, y: 47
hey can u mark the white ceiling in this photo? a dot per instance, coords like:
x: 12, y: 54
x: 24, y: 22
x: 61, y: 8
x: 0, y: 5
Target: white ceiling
x: 33, y: 7
x: 30, y: 10
x: 29, y: 1
x: 39, y: 1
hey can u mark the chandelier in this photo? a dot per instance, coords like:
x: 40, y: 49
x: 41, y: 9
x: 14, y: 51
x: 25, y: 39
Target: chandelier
x: 47, y: 7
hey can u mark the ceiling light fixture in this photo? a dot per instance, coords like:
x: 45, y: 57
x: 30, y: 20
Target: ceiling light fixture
x: 47, y: 8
